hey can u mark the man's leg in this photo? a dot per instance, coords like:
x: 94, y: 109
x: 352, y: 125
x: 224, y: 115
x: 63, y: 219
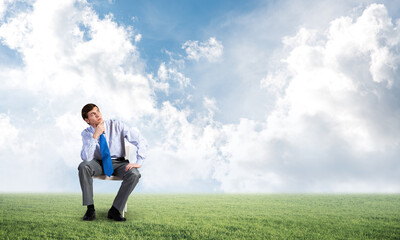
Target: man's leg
x: 129, y: 181
x: 86, y: 171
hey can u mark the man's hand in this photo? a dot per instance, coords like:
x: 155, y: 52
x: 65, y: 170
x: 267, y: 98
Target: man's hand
x: 131, y: 165
x: 98, y: 130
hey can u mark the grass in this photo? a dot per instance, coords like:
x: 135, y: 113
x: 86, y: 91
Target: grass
x: 214, y: 216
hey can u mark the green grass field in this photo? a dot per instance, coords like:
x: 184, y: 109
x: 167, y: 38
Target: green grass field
x: 218, y: 216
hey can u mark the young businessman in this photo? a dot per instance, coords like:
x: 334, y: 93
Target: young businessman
x: 103, y: 142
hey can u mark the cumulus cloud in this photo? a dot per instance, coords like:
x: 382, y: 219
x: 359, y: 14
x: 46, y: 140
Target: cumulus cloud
x: 185, y: 154
x: 70, y: 50
x: 211, y: 50
x: 69, y: 127
x: 138, y: 37
x: 210, y: 104
x: 3, y: 7
x: 335, y: 120
x: 9, y: 136
x: 29, y: 157
x: 166, y: 74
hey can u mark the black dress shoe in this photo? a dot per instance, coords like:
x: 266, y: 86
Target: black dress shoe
x: 113, y: 213
x: 89, y: 215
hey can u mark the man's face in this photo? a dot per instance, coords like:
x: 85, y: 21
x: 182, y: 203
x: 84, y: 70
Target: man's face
x: 94, y: 117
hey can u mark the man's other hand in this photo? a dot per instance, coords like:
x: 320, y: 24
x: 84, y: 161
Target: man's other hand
x: 131, y: 165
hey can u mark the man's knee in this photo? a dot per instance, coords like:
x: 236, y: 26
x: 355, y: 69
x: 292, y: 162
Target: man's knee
x: 136, y: 173
x: 83, y: 166
x: 132, y: 175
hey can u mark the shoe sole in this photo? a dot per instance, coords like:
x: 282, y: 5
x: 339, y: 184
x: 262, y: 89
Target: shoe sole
x: 110, y: 217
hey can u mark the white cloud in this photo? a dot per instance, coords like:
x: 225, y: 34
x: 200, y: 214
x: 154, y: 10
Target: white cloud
x: 210, y: 104
x: 69, y: 51
x: 138, y: 37
x: 29, y: 157
x: 211, y: 50
x: 183, y: 155
x: 333, y: 119
x: 324, y: 83
x: 9, y: 134
x: 4, y: 4
x: 69, y: 126
x: 159, y: 84
x: 248, y: 158
x: 372, y: 34
x: 166, y: 74
x: 275, y: 82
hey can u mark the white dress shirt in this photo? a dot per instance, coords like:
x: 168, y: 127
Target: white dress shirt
x: 115, y: 132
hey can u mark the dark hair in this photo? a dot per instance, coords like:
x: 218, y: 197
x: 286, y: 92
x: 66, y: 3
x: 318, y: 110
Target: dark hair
x: 87, y: 108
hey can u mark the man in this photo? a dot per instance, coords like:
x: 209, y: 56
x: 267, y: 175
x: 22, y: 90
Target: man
x: 103, y: 151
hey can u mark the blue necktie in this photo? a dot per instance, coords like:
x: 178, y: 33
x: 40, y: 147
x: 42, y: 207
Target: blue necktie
x: 105, y: 156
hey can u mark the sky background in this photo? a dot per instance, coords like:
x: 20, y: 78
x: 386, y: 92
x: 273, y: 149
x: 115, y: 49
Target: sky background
x: 232, y: 96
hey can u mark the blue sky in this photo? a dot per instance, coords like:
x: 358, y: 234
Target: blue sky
x: 233, y: 96
x: 165, y: 26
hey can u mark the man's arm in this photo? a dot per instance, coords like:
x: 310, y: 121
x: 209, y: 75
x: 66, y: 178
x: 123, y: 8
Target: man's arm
x: 90, y: 141
x: 89, y: 146
x: 133, y: 136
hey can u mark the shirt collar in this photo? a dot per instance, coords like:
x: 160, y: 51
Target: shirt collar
x: 91, y: 129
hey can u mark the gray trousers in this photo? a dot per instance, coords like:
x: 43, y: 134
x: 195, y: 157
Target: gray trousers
x: 94, y: 168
